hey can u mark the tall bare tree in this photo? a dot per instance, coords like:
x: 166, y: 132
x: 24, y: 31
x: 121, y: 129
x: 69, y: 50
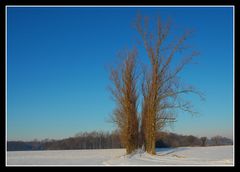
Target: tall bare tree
x: 124, y: 92
x: 161, y: 86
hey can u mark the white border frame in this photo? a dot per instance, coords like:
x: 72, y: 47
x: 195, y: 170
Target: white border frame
x: 119, y: 6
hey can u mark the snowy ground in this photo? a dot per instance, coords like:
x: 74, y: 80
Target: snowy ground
x: 215, y: 155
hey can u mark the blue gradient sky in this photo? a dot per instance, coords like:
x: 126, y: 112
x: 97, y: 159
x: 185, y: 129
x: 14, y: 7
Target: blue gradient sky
x: 57, y: 77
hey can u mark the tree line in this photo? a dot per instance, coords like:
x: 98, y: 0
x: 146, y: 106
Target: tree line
x: 106, y: 140
x: 165, y: 139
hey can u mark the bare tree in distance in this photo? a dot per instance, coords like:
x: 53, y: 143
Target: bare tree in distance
x: 219, y: 140
x: 161, y: 87
x: 124, y: 92
x: 204, y: 141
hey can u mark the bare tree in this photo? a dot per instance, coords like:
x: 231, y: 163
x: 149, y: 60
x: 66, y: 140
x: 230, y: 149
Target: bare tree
x: 161, y: 86
x: 204, y: 141
x: 219, y: 140
x: 125, y: 95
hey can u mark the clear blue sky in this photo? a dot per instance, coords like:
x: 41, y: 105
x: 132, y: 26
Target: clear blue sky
x: 57, y: 77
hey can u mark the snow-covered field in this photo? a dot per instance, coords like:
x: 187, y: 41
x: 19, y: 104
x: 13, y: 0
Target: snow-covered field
x: 215, y: 155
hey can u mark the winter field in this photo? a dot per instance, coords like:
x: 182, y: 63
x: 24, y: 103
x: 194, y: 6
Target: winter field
x: 212, y: 156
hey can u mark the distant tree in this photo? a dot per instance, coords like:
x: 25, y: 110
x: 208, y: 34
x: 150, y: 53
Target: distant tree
x: 192, y: 140
x: 161, y: 85
x: 124, y: 92
x: 216, y: 140
x: 219, y: 140
x: 204, y: 141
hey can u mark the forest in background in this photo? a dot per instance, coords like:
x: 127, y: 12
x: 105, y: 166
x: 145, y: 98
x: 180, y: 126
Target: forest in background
x: 107, y: 140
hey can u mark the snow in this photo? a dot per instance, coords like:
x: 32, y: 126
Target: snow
x: 212, y: 156
x: 63, y: 157
x: 216, y: 155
